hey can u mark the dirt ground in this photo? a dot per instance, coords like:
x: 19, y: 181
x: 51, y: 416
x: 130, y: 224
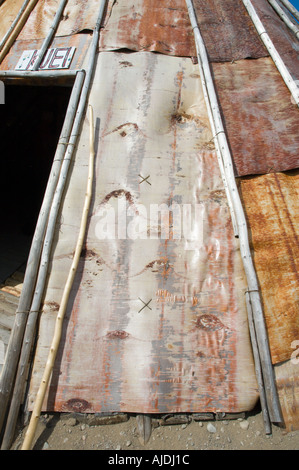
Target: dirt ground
x: 74, y: 432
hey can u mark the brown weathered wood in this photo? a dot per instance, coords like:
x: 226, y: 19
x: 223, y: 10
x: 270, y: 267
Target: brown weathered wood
x: 288, y: 388
x: 203, y: 416
x: 6, y: 321
x: 144, y: 423
x: 271, y: 205
x: 225, y: 416
x: 8, y: 303
x: 130, y: 359
x: 174, y: 419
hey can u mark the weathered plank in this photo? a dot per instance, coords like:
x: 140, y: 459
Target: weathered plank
x: 155, y: 325
x: 165, y: 27
x: 288, y: 389
x: 9, y: 299
x: 271, y: 206
x: 261, y: 121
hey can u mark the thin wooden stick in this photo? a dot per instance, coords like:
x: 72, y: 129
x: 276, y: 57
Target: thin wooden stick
x: 17, y: 29
x: 29, y: 436
x: 213, y: 106
x: 22, y: 9
x: 291, y: 8
x: 50, y: 35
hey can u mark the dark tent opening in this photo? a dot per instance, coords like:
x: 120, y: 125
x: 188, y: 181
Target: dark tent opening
x: 31, y: 122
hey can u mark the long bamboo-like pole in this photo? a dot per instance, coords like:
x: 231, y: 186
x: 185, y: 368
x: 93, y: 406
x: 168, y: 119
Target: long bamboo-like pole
x: 288, y: 13
x: 258, y: 369
x: 291, y: 8
x: 12, y: 26
x: 39, y: 74
x: 288, y: 79
x: 15, y: 343
x: 18, y: 28
x: 29, y: 436
x: 50, y: 35
x: 218, y: 151
x: 294, y: 28
x: 253, y: 288
x: 33, y: 314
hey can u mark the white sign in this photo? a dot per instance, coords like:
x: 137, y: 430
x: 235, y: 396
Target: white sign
x: 55, y: 58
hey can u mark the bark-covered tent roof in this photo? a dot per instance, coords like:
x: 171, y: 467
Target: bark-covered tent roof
x: 159, y: 325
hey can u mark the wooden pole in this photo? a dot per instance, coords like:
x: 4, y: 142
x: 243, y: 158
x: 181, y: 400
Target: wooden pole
x: 291, y: 8
x: 292, y: 26
x: 253, y: 288
x: 288, y: 79
x: 17, y: 29
x: 54, y: 74
x: 29, y: 436
x: 22, y: 9
x: 258, y: 369
x: 50, y: 35
x: 144, y: 424
x: 218, y: 150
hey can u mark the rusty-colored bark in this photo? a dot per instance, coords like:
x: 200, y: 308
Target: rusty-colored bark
x: 271, y: 205
x: 261, y: 121
x: 154, y: 324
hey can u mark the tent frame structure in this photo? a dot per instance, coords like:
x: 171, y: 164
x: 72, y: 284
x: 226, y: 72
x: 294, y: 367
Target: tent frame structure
x: 12, y: 381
